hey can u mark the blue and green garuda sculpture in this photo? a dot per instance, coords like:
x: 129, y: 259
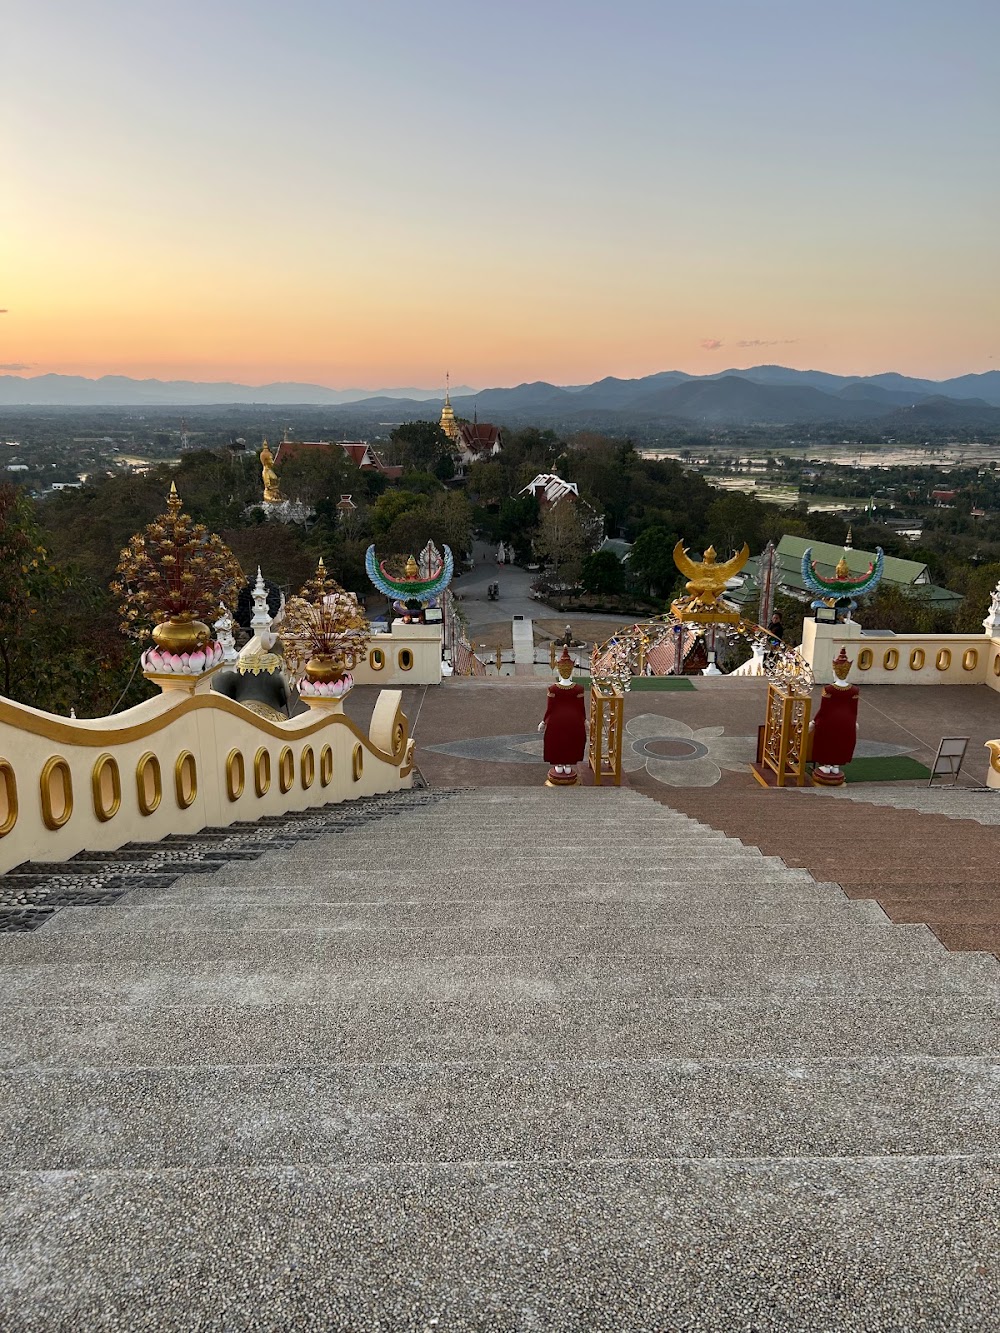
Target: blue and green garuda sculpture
x: 423, y: 583
x: 843, y: 590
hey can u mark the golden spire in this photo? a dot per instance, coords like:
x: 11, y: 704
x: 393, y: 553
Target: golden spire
x: 448, y: 423
x: 173, y: 501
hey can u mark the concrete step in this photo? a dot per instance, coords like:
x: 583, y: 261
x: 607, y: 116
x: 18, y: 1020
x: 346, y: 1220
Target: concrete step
x: 275, y: 973
x: 678, y: 904
x: 274, y: 936
x: 460, y: 1111
x: 206, y: 1018
x: 787, y: 1244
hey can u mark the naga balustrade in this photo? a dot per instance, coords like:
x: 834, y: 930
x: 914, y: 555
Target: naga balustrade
x: 178, y: 763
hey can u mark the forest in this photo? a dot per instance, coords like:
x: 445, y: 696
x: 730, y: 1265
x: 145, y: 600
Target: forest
x: 60, y: 645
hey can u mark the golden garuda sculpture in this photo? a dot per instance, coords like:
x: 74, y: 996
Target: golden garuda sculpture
x: 707, y: 579
x: 272, y: 491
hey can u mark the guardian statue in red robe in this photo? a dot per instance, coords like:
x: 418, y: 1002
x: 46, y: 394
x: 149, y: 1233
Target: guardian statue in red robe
x: 565, y: 726
x: 835, y: 727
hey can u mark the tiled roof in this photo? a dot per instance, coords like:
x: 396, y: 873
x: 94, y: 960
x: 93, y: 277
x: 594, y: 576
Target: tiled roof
x: 479, y: 436
x: 359, y: 452
x: 550, y: 488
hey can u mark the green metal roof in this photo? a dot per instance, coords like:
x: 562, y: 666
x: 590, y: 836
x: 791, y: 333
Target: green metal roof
x: 789, y: 575
x: 827, y: 556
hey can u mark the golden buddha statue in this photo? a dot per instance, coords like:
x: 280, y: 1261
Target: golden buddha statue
x: 272, y: 491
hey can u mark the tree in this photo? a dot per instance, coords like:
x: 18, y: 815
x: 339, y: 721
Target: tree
x: 603, y: 574
x: 421, y: 444
x: 561, y: 541
x: 316, y: 474
x: 518, y: 520
x: 389, y: 506
x: 651, y: 560
x: 59, y: 644
x: 733, y: 519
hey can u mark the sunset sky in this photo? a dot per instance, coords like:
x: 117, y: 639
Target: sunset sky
x: 369, y: 192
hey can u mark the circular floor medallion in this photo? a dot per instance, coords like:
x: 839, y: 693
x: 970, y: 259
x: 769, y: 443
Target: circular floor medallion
x: 672, y: 747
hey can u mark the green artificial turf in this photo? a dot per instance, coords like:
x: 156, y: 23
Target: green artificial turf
x: 651, y: 682
x: 886, y: 768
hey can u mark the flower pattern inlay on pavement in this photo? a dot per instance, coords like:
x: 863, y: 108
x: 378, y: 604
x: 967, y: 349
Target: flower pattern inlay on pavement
x: 680, y: 756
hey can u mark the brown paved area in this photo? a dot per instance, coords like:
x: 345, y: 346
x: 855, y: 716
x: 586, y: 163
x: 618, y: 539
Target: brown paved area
x: 919, y: 867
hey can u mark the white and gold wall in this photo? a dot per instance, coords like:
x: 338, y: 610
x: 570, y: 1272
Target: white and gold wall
x: 902, y: 659
x: 179, y: 763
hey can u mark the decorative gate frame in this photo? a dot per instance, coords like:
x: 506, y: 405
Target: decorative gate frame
x: 621, y: 658
x: 604, y: 744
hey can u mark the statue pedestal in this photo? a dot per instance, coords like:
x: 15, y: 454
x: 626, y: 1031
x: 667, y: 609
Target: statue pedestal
x: 178, y: 683
x: 323, y: 704
x: 554, y: 779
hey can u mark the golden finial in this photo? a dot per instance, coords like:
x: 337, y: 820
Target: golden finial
x: 843, y: 570
x: 173, y: 501
x: 321, y: 569
x: 412, y: 569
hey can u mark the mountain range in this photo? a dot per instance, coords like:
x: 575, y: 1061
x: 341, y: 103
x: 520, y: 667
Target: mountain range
x: 758, y: 395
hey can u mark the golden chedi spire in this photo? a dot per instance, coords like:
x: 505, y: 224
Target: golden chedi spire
x: 448, y: 423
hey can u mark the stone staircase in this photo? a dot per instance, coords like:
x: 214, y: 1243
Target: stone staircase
x: 499, y: 1059
x: 923, y: 854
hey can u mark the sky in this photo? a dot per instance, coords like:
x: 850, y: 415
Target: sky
x: 367, y: 193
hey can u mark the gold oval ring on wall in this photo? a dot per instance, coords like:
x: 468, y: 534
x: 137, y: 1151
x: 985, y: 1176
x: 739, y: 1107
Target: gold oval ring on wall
x: 8, y: 797
x: 56, y: 788
x: 307, y: 767
x: 865, y: 659
x: 185, y: 779
x: 325, y: 766
x: 286, y: 769
x: 890, y: 659
x: 970, y: 659
x: 917, y: 659
x: 943, y: 659
x: 358, y: 762
x: 996, y: 665
x: 376, y: 659
x: 106, y: 786
x: 148, y: 783
x: 405, y: 659
x: 262, y: 771
x: 236, y: 774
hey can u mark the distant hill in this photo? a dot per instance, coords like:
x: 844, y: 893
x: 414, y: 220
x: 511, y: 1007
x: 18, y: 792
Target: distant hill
x: 121, y: 391
x: 758, y: 395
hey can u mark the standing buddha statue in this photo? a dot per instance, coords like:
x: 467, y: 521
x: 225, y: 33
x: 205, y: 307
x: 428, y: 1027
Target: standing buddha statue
x: 272, y: 491
x: 835, y: 727
x: 565, y: 726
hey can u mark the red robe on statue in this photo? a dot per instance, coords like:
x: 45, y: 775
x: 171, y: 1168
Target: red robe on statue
x: 836, y: 729
x: 565, y: 725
